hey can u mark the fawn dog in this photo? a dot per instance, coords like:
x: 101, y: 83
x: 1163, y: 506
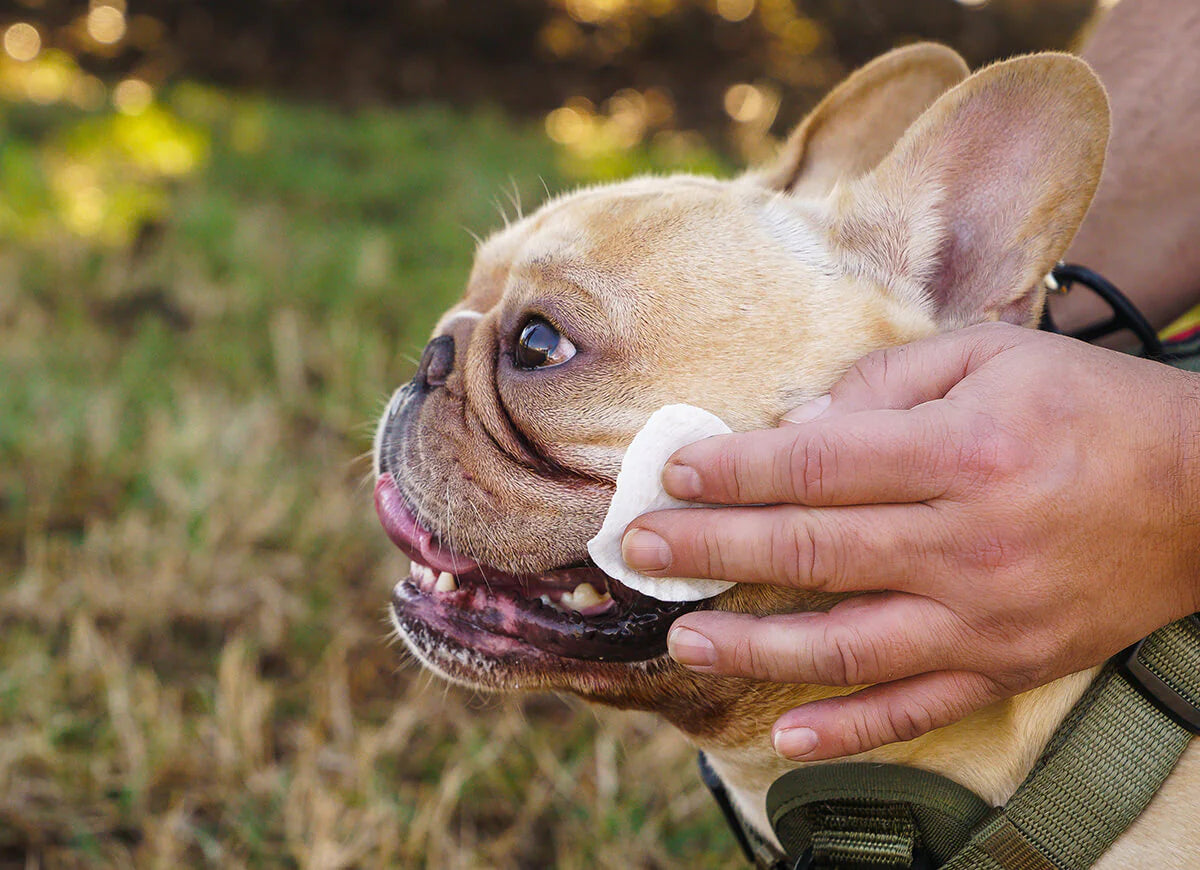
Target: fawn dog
x: 915, y: 198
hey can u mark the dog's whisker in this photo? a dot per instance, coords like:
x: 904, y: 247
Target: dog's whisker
x: 503, y: 214
x: 474, y: 235
x: 514, y: 197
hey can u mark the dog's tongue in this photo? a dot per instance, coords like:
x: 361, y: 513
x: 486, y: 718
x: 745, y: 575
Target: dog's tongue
x: 409, y: 535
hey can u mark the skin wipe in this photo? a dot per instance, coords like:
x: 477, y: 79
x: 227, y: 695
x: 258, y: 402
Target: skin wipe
x: 640, y: 490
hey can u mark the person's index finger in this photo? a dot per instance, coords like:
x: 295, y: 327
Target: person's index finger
x: 869, y: 457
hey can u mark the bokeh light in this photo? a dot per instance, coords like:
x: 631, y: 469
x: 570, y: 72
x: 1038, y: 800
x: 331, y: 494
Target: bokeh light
x: 629, y: 128
x: 744, y: 102
x: 561, y: 37
x: 47, y: 81
x: 106, y: 24
x: 132, y: 96
x: 22, y: 41
x: 570, y: 124
x: 594, y: 11
x: 735, y: 10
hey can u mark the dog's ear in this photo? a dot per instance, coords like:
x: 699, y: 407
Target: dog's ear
x: 859, y: 121
x: 983, y: 193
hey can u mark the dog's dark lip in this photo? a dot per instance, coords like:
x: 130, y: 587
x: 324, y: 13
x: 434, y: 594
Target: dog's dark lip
x: 503, y: 624
x: 479, y: 605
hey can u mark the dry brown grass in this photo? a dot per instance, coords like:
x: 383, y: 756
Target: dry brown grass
x: 194, y: 663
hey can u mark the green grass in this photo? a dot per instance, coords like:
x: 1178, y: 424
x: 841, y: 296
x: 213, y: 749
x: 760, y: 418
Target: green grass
x: 194, y: 664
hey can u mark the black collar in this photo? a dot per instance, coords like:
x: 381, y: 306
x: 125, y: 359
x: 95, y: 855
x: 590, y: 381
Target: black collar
x: 1125, y: 315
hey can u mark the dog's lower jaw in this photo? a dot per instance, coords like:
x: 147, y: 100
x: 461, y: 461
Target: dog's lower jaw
x: 509, y: 664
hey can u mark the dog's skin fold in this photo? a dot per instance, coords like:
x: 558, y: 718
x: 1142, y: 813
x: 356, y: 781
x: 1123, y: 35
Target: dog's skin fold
x: 915, y: 198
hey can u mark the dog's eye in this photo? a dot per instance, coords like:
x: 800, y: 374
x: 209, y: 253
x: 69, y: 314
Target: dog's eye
x: 540, y: 345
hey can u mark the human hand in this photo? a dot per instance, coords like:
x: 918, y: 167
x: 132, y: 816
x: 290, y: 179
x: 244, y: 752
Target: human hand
x: 1016, y: 506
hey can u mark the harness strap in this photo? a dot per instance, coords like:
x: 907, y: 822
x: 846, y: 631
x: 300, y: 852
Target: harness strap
x: 1097, y: 773
x: 1101, y: 767
x: 853, y: 833
x: 866, y: 814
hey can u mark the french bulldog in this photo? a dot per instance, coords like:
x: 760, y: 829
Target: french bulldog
x: 915, y: 198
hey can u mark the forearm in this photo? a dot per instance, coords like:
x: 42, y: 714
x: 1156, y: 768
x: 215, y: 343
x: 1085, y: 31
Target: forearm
x: 1143, y: 230
x: 1189, y: 471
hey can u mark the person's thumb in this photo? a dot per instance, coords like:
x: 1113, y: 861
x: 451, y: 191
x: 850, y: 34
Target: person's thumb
x: 900, y: 378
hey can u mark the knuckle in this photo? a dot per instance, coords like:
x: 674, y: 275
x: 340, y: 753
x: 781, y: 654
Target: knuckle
x: 708, y: 552
x: 816, y: 456
x: 862, y: 733
x: 996, y: 547
x: 784, y: 481
x: 826, y: 558
x: 846, y: 659
x: 1006, y: 668
x: 908, y: 719
x: 989, y: 553
x: 800, y: 555
x: 989, y: 452
x: 871, y: 371
x: 747, y: 659
x: 1014, y: 678
x: 976, y: 456
x: 810, y: 460
x: 974, y: 691
x: 729, y: 473
x: 1044, y: 657
x: 783, y: 554
x: 988, y: 632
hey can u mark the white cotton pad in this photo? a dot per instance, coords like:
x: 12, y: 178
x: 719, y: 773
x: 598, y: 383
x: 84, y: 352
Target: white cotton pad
x: 640, y: 490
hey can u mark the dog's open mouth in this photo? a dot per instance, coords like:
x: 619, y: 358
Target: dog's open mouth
x: 575, y: 611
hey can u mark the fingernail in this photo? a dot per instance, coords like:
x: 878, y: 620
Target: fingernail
x: 808, y: 411
x: 795, y: 742
x: 690, y: 647
x: 681, y: 481
x: 643, y: 550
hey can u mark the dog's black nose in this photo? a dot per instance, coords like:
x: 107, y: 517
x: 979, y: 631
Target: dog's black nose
x: 436, y: 362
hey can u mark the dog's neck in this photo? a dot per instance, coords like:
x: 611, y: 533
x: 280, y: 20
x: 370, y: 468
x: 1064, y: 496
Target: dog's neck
x: 989, y: 752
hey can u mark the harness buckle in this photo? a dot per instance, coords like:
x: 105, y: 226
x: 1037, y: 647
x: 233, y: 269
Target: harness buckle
x: 1157, y: 690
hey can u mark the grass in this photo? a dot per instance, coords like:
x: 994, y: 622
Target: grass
x: 194, y: 663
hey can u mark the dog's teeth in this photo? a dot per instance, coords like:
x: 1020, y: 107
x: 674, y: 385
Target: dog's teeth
x: 583, y: 597
x: 446, y: 582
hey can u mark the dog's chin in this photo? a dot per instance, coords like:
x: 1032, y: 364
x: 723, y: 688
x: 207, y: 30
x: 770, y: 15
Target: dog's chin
x: 567, y: 627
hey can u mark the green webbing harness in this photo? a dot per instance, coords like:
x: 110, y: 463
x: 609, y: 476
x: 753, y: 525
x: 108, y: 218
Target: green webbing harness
x: 1097, y: 773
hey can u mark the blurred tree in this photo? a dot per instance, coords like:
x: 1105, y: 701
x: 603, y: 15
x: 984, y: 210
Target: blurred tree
x: 531, y: 56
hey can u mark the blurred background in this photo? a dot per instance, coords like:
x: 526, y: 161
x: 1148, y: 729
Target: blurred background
x: 225, y: 229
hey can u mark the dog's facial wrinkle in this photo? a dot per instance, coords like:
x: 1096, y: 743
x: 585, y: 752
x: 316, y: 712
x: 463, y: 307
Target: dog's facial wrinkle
x: 502, y: 431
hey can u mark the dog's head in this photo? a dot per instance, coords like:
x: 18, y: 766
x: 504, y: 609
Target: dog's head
x: 913, y: 199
